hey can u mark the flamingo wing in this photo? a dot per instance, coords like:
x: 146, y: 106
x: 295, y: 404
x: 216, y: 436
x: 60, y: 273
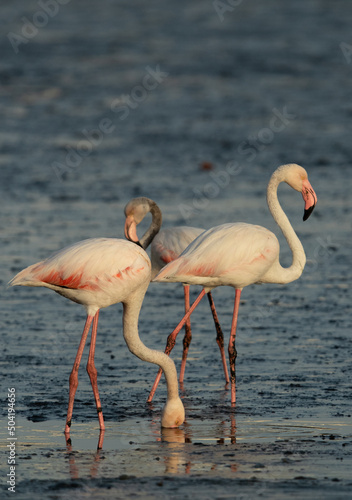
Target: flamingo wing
x: 169, y: 243
x: 230, y: 254
x: 94, y: 270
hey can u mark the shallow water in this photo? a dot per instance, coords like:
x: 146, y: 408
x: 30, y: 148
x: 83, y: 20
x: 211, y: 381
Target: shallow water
x: 267, y: 453
x: 202, y: 143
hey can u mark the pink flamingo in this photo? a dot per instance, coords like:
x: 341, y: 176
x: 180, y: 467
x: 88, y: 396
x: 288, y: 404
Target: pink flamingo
x: 166, y: 246
x: 240, y: 254
x: 98, y: 273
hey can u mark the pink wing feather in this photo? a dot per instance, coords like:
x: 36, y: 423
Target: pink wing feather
x: 84, y: 265
x: 230, y: 254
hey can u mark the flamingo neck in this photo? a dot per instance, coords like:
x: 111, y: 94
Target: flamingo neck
x: 131, y: 310
x: 154, y: 227
x: 285, y: 275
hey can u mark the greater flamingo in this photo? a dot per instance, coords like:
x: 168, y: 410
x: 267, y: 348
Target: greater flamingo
x: 98, y: 273
x: 166, y: 246
x: 241, y: 254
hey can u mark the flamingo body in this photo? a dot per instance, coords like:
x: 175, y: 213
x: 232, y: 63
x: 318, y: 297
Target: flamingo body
x: 169, y: 243
x: 244, y: 254
x: 240, y: 254
x: 96, y: 273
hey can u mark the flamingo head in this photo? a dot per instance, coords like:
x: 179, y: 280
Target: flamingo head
x: 135, y: 211
x: 309, y: 197
x: 173, y: 413
x: 297, y: 177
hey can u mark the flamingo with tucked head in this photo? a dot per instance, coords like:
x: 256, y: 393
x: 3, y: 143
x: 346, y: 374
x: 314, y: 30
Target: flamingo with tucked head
x: 166, y: 245
x: 97, y: 273
x: 238, y: 255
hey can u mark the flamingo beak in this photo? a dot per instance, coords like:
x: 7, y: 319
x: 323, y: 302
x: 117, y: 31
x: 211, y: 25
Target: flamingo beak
x: 310, y: 199
x: 131, y: 229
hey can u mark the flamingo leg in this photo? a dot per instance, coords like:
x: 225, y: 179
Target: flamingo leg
x: 92, y: 371
x: 188, y: 335
x: 74, y: 373
x: 219, y: 336
x: 100, y: 440
x: 232, y: 347
x: 171, y: 340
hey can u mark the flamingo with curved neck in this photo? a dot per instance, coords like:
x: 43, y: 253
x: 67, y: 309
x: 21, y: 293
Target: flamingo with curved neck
x: 239, y: 254
x: 167, y: 245
x: 97, y: 273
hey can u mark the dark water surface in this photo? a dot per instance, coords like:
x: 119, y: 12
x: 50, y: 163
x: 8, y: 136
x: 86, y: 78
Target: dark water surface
x: 193, y: 104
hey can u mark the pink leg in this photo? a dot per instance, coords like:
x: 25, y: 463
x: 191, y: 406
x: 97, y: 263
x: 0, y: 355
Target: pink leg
x: 171, y: 340
x: 219, y: 336
x: 188, y: 335
x: 100, y: 440
x: 74, y: 373
x: 92, y: 371
x: 232, y: 347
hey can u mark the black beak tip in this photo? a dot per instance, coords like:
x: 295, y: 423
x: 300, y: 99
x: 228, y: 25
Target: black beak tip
x: 308, y: 212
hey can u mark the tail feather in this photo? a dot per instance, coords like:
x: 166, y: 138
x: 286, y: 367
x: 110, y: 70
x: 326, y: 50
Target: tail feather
x: 26, y: 277
x: 167, y: 272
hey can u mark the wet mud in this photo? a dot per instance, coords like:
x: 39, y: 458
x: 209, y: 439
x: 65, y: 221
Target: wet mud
x: 193, y: 105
